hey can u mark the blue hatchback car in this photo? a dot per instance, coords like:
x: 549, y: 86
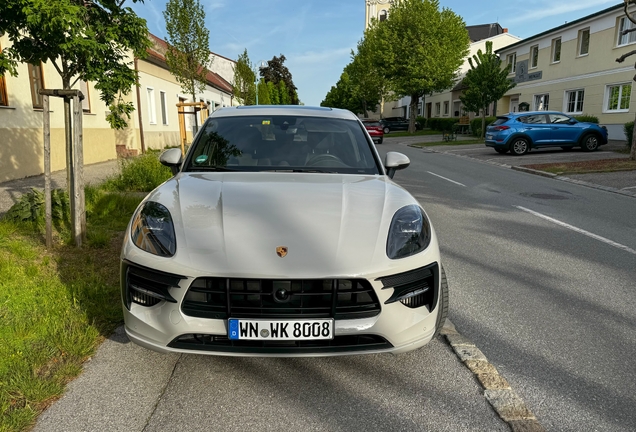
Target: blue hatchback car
x: 520, y: 131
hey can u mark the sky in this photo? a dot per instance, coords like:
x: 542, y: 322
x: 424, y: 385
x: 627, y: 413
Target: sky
x: 317, y: 36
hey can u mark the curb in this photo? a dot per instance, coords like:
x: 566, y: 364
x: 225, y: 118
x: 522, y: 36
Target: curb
x: 539, y: 173
x: 497, y: 391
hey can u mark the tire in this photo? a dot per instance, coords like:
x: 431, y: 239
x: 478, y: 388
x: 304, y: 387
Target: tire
x: 589, y: 142
x: 386, y: 130
x: 519, y: 146
x: 442, y: 311
x: 501, y: 150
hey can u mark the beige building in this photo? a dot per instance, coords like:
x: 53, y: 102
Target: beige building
x: 154, y: 124
x: 572, y: 68
x: 376, y: 9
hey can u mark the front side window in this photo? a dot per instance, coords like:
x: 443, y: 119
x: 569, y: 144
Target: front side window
x: 541, y: 102
x: 556, y: 50
x: 534, y: 56
x: 511, y: 59
x: 618, y: 97
x: 574, y: 101
x: 282, y: 143
x: 559, y: 118
x: 37, y: 83
x: 584, y: 42
x: 625, y: 24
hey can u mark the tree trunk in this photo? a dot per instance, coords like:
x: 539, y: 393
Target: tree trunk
x: 632, y: 153
x: 415, y: 98
x: 483, y: 122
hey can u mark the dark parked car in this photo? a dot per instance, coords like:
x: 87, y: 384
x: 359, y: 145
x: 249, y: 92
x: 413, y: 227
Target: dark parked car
x: 396, y: 123
x: 520, y: 131
x: 375, y: 130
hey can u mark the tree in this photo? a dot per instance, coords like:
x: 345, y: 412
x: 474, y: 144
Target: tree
x: 244, y: 80
x: 83, y: 40
x: 621, y: 59
x: 188, y: 55
x: 418, y: 49
x: 276, y: 71
x: 486, y: 82
x: 368, y: 86
x: 263, y: 93
x: 342, y: 95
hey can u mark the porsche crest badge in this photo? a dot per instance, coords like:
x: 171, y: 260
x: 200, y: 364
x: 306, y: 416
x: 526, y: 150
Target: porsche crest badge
x: 281, y: 251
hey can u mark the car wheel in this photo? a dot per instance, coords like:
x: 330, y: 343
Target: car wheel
x: 386, y: 130
x: 501, y: 150
x: 589, y: 143
x: 519, y: 146
x: 442, y: 313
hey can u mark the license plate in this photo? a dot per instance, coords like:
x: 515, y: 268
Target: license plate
x: 488, y: 136
x: 247, y: 329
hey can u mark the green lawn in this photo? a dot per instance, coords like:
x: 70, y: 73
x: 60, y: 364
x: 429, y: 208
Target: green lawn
x: 57, y: 305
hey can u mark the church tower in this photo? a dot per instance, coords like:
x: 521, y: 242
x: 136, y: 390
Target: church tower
x: 378, y: 9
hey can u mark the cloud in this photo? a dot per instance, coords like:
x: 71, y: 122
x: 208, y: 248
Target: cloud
x: 326, y: 56
x: 212, y: 5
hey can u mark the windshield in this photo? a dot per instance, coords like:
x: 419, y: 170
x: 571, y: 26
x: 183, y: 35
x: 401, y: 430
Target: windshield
x: 282, y: 143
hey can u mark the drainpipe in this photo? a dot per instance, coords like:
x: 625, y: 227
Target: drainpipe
x: 141, y: 125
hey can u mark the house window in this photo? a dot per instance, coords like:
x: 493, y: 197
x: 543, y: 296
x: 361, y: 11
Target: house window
x: 383, y: 15
x: 556, y: 50
x: 164, y: 110
x: 541, y: 102
x: 574, y: 101
x: 3, y: 90
x: 37, y: 83
x: 618, y: 97
x: 534, y: 56
x: 86, y: 102
x: 437, y: 108
x: 625, y: 24
x: 446, y: 108
x: 511, y: 59
x: 584, y: 42
x: 152, y: 110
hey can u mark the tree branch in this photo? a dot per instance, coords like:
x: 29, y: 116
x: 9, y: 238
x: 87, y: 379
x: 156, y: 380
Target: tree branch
x: 622, y: 58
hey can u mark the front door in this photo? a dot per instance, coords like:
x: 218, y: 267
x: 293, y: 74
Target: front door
x: 514, y: 104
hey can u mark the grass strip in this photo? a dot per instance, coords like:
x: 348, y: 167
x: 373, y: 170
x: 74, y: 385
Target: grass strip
x: 585, y: 167
x: 451, y: 143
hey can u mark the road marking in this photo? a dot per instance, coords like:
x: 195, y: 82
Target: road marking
x: 579, y: 230
x: 630, y: 187
x: 447, y: 179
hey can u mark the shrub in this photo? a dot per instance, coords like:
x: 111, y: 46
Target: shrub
x: 421, y: 121
x: 629, y: 130
x: 139, y: 174
x: 475, y: 124
x: 442, y: 124
x: 587, y: 118
x: 30, y: 207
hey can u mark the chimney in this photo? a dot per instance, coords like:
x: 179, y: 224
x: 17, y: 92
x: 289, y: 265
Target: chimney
x: 505, y: 30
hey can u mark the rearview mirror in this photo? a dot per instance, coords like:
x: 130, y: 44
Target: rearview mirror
x: 172, y: 159
x: 394, y: 161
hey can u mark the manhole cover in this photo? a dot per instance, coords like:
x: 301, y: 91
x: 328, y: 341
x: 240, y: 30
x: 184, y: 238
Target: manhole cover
x: 544, y: 196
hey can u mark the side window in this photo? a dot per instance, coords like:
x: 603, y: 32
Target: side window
x: 533, y: 119
x: 37, y: 82
x: 559, y: 119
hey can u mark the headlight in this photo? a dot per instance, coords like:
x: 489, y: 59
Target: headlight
x: 410, y: 233
x: 153, y: 231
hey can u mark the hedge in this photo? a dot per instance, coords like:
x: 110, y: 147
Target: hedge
x: 587, y: 118
x: 475, y: 124
x: 628, y: 128
x: 442, y: 124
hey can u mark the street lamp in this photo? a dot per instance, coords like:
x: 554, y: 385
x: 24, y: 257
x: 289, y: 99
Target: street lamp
x: 260, y: 64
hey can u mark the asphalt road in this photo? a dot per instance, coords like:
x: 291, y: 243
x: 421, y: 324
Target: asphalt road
x: 543, y: 276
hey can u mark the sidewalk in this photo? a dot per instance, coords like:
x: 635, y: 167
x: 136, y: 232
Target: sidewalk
x: 95, y: 173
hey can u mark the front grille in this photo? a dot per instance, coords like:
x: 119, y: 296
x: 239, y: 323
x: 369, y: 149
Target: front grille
x: 415, y: 288
x: 221, y: 298
x: 347, y: 343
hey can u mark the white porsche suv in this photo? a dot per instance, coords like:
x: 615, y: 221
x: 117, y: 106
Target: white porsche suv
x: 282, y: 234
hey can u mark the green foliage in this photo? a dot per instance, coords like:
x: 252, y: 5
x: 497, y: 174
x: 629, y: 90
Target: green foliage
x: 628, y: 128
x: 486, y: 82
x: 274, y: 95
x: 475, y: 125
x: 188, y: 55
x: 30, y: 207
x: 263, y: 93
x: 244, y: 80
x: 587, y: 118
x: 276, y: 71
x: 139, y: 174
x: 283, y: 94
x: 89, y: 41
x: 418, y: 49
x: 421, y: 122
x: 442, y: 124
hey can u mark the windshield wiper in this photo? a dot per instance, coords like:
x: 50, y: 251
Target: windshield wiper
x: 212, y: 168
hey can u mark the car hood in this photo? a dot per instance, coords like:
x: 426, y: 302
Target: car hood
x: 231, y: 224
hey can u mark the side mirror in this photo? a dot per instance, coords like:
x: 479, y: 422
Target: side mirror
x: 394, y: 161
x: 573, y: 121
x: 172, y: 159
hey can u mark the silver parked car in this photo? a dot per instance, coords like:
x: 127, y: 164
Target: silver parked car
x: 282, y: 234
